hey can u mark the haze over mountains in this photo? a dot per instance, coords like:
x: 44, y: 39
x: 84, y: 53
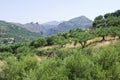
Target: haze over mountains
x: 78, y: 22
x: 29, y: 31
x: 54, y: 27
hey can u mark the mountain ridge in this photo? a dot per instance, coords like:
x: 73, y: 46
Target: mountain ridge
x: 53, y: 27
x: 77, y: 22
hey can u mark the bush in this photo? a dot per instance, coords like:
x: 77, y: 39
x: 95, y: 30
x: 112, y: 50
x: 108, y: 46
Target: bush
x: 39, y: 42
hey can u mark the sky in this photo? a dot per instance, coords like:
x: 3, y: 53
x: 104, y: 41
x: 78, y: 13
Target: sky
x: 25, y: 11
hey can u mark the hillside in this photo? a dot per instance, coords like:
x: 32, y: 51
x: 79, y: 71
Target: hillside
x: 92, y: 54
x: 9, y: 31
x: 39, y: 28
x: 35, y: 27
x: 100, y: 58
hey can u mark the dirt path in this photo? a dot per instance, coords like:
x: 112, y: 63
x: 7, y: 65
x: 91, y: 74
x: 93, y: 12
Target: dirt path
x: 106, y: 43
x: 95, y: 43
x: 40, y: 58
x: 47, y: 47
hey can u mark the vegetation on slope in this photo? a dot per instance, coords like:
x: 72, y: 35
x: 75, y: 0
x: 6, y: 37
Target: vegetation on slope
x: 68, y: 64
x: 85, y: 62
x: 18, y: 34
x: 107, y: 20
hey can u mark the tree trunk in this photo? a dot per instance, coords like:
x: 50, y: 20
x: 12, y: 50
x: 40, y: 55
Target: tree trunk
x: 75, y: 43
x: 114, y: 36
x: 103, y: 38
x: 83, y: 44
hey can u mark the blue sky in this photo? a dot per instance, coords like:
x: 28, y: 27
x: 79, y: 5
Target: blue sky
x: 24, y: 11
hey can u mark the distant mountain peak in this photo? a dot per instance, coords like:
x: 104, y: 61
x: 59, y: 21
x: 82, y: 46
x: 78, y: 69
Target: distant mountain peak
x: 54, y: 27
x: 77, y: 22
x: 79, y: 18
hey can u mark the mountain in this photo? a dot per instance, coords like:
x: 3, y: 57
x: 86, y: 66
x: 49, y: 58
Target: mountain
x: 78, y: 22
x: 53, y: 27
x: 39, y: 28
x: 35, y: 27
x: 9, y: 31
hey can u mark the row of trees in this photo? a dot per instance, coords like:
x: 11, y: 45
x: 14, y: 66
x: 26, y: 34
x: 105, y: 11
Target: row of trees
x: 77, y: 35
x: 48, y: 41
x: 83, y: 36
x: 107, y: 20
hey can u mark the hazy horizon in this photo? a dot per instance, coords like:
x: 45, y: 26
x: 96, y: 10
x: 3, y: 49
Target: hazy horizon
x: 25, y: 11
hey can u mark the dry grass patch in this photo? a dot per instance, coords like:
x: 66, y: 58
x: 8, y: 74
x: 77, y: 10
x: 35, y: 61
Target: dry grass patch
x: 106, y: 43
x: 72, y: 45
x: 2, y: 64
x: 47, y: 47
x: 40, y: 58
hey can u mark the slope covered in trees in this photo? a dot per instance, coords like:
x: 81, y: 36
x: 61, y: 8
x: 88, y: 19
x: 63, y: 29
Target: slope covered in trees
x: 11, y: 31
x: 65, y: 64
x: 62, y: 63
x: 107, y: 20
x: 85, y: 62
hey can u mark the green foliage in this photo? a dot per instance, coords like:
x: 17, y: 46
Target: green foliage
x: 39, y: 42
x: 102, y: 32
x: 46, y: 52
x: 79, y: 66
x: 116, y: 13
x: 4, y: 55
x: 18, y: 70
x: 19, y: 34
x: 18, y: 50
x: 99, y: 21
x: 24, y: 51
x: 68, y: 64
x: 52, y: 70
x: 107, y: 60
x: 87, y: 63
x: 82, y: 37
x: 57, y: 39
x: 109, y: 19
x: 4, y: 48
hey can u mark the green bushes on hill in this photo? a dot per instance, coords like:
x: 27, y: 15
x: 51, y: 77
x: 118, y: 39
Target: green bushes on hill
x: 77, y: 64
x: 86, y: 63
x: 39, y: 42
